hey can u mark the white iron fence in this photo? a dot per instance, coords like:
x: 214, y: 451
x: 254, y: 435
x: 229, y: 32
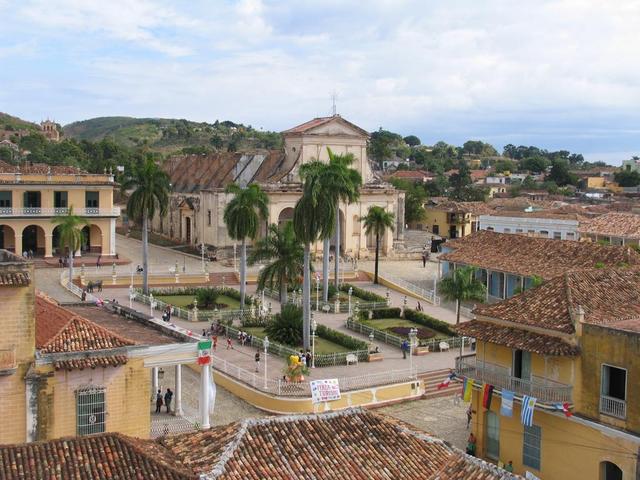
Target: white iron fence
x: 428, y: 295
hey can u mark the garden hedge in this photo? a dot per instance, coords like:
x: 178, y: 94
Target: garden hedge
x: 361, y: 293
x: 433, y: 323
x: 340, y: 338
x: 227, y: 291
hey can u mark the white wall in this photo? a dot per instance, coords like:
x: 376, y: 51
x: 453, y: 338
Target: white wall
x: 568, y: 229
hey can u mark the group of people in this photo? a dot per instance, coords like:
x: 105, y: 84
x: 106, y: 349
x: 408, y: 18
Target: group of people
x: 166, y: 313
x: 164, y: 400
x: 28, y: 254
x: 244, y: 338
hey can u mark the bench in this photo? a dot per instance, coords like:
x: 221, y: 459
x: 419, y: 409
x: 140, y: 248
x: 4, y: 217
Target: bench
x: 326, y: 308
x: 443, y: 346
x: 351, y: 358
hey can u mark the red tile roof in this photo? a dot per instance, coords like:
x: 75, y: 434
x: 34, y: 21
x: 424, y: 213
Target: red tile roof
x: 59, y: 330
x: 528, y: 256
x: 340, y: 445
x: 95, y: 457
x: 608, y: 297
x: 517, y: 338
x: 625, y: 225
x: 475, y: 208
x: 412, y: 174
x: 14, y: 279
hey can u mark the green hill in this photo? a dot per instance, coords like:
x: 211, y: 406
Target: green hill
x: 169, y: 135
x: 15, y: 124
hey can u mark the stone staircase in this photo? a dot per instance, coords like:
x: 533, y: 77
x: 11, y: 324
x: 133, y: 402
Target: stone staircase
x: 432, y: 379
x: 414, y: 240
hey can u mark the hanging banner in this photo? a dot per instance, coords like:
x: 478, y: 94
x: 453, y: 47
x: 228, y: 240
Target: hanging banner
x: 324, y: 390
x: 506, y: 408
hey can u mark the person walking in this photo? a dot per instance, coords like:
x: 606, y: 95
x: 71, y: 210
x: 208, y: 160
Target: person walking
x: 158, y: 401
x: 424, y: 260
x: 229, y: 345
x: 167, y: 399
x: 215, y: 341
x: 257, y: 359
x: 98, y: 261
x: 471, y: 445
x: 83, y: 297
x: 405, y: 348
x: 469, y: 416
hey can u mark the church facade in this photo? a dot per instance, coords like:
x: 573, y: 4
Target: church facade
x: 198, y: 199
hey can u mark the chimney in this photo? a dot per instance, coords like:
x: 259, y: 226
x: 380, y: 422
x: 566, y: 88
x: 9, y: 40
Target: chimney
x: 578, y: 320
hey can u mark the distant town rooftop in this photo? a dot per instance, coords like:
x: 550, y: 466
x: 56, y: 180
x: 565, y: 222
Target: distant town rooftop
x: 528, y: 256
x: 624, y: 225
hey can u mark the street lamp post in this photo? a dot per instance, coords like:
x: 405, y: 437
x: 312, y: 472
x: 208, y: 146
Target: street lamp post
x: 350, y: 293
x: 314, y: 326
x: 371, y: 338
x: 317, y: 292
x: 266, y: 351
x: 152, y: 303
x: 202, y: 254
x: 412, y: 336
x: 132, y: 295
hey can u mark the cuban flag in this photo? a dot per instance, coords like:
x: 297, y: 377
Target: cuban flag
x: 445, y: 383
x: 528, y: 404
x: 564, y: 407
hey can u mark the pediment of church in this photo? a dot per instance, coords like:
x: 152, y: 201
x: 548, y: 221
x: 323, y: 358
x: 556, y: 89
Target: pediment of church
x: 335, y: 125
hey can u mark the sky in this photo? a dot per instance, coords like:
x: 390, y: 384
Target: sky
x: 561, y: 74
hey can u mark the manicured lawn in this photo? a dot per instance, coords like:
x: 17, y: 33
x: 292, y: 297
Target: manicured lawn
x: 184, y: 300
x: 322, y: 346
x: 387, y: 324
x: 344, y: 297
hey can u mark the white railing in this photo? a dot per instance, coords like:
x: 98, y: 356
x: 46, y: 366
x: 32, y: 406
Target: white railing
x: 428, y: 295
x: 52, y: 212
x: 613, y: 407
x: 302, y: 389
x: 73, y: 288
x: 545, y: 390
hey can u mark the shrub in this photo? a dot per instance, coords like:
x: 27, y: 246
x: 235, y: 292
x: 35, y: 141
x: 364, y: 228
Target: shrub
x: 226, y: 291
x: 423, y: 333
x: 433, y: 323
x: 390, y: 312
x: 207, y: 298
x: 286, y: 326
x: 361, y: 293
x: 340, y: 338
x: 332, y: 290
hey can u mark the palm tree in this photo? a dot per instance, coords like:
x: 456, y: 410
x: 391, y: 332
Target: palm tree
x: 462, y: 285
x: 242, y: 217
x: 151, y: 187
x: 70, y: 234
x: 283, y: 247
x: 377, y: 221
x: 313, y: 218
x: 342, y: 184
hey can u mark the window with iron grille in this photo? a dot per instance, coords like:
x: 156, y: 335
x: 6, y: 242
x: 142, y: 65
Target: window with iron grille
x: 90, y: 410
x: 531, y: 446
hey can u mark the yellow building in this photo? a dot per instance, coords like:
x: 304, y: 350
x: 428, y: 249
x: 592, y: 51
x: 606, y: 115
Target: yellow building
x: 64, y: 375
x: 454, y: 219
x: 574, y: 342
x: 32, y: 195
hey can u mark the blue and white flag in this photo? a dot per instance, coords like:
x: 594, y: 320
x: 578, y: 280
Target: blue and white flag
x: 528, y: 404
x: 506, y: 407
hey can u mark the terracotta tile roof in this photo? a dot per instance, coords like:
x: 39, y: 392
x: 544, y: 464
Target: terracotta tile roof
x: 517, y: 338
x: 59, y: 330
x: 613, y: 225
x: 340, y: 445
x: 40, y: 169
x: 607, y: 296
x: 412, y: 174
x: 94, y: 457
x: 528, y: 256
x: 14, y: 279
x: 191, y: 173
x: 316, y: 122
x: 90, y: 362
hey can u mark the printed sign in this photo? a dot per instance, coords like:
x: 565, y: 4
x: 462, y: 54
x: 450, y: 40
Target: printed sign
x: 324, y: 390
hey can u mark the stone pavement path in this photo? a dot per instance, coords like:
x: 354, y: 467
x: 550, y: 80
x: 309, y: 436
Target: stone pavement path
x: 444, y: 417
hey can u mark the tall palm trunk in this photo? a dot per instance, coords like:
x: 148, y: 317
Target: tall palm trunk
x: 457, y: 323
x: 70, y: 268
x: 283, y: 290
x: 306, y: 298
x: 243, y: 272
x: 336, y: 279
x: 375, y: 275
x: 145, y: 254
x: 325, y: 269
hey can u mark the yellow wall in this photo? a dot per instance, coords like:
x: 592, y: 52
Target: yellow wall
x: 17, y: 324
x: 75, y: 195
x: 595, y: 182
x: 127, y: 399
x: 569, y: 450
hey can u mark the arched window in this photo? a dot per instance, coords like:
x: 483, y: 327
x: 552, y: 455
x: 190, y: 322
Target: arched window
x: 610, y: 471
